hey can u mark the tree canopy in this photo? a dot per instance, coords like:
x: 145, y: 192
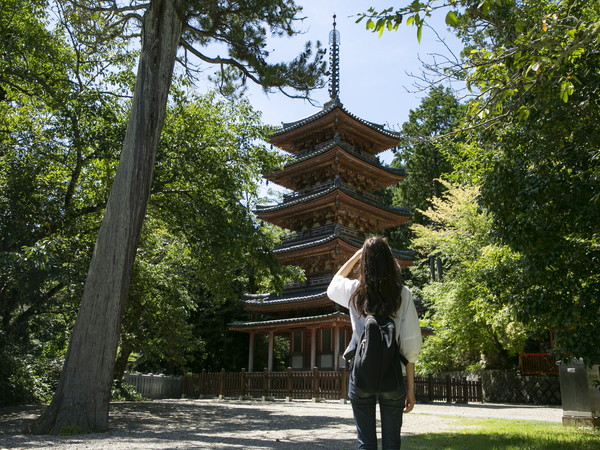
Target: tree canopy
x: 66, y: 84
x: 473, y: 327
x: 57, y: 149
x: 425, y: 160
x: 166, y: 27
x: 532, y: 70
x: 54, y: 189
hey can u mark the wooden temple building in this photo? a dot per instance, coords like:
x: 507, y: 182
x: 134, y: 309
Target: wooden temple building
x: 332, y: 209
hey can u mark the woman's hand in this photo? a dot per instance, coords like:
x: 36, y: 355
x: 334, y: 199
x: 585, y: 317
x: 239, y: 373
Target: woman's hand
x: 348, y: 265
x: 410, y: 401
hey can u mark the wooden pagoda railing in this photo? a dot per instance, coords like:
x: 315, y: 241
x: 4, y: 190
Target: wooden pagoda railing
x: 308, y: 191
x: 318, y: 280
x: 349, y: 148
x: 324, y: 186
x: 294, y: 238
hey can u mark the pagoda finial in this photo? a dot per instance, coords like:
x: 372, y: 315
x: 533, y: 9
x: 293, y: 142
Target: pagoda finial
x: 334, y: 61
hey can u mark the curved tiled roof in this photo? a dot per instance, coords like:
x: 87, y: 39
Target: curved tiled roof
x: 290, y: 297
x: 328, y: 108
x: 312, y: 243
x: 290, y: 320
x: 337, y: 234
x: 336, y: 185
x: 325, y: 147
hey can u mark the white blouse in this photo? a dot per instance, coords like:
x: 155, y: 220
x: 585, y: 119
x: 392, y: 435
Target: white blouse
x: 406, y: 320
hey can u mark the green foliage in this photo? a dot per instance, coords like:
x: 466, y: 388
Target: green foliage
x: 16, y: 386
x: 532, y: 68
x: 208, y: 168
x: 511, y: 48
x: 428, y: 140
x: 385, y: 22
x: 240, y: 31
x: 424, y: 149
x: 201, y: 247
x: 63, y: 118
x: 57, y: 151
x: 539, y: 170
x: 124, y: 392
x: 472, y: 324
x: 155, y: 324
x: 28, y: 377
x: 31, y: 57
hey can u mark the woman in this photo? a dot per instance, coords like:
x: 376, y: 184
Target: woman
x: 379, y: 291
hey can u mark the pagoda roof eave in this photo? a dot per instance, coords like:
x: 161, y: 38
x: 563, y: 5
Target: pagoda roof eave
x: 287, y: 127
x: 292, y: 300
x: 350, y: 193
x: 319, y: 242
x: 320, y: 303
x: 393, y: 174
x: 323, y: 241
x: 386, y: 138
x: 279, y: 324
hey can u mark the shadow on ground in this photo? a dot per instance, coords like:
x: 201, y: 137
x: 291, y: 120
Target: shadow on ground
x: 189, y: 425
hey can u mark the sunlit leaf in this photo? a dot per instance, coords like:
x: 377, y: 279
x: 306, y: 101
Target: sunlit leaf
x: 451, y: 18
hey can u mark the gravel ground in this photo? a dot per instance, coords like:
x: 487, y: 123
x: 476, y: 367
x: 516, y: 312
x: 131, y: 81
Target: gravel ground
x: 214, y: 424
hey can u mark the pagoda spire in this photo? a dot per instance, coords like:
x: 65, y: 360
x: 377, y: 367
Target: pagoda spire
x: 334, y: 62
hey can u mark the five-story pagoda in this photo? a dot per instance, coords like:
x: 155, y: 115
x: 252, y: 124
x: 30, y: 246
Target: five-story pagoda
x: 332, y: 209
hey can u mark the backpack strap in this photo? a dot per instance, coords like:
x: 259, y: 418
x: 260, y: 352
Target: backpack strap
x: 351, y: 349
x: 402, y: 357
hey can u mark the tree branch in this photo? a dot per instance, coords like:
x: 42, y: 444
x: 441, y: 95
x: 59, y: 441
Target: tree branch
x: 113, y: 8
x: 579, y: 44
x: 20, y: 320
x: 172, y: 191
x: 219, y: 60
x: 90, y: 209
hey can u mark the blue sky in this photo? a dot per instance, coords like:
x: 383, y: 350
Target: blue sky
x: 374, y: 71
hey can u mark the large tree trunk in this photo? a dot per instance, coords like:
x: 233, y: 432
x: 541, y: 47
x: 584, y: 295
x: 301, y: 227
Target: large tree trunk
x: 81, y: 401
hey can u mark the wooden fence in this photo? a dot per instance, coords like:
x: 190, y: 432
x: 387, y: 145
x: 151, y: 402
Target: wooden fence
x: 315, y: 384
x: 448, y: 389
x: 156, y: 386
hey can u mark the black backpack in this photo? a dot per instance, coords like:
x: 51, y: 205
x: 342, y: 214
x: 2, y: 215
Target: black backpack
x: 376, y: 361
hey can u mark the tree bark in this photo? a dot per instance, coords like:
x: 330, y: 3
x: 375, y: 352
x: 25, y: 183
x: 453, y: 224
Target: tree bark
x: 81, y: 401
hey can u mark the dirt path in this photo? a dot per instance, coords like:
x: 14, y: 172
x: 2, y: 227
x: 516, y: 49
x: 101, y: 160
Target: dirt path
x: 213, y: 424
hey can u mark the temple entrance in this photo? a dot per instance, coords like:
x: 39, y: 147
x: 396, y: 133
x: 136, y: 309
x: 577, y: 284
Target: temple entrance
x: 301, y: 348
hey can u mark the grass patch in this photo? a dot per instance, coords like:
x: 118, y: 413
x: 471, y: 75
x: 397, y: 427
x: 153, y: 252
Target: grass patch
x: 506, y: 434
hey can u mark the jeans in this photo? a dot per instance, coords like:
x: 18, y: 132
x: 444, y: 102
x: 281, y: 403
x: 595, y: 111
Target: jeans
x: 391, y: 406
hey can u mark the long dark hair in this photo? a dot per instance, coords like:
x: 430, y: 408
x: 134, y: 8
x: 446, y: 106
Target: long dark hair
x: 380, y: 280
